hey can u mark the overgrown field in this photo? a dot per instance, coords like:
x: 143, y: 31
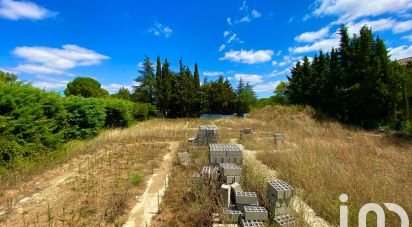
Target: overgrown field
x: 96, y: 182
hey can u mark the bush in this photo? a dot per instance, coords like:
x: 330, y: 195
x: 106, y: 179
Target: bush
x: 31, y: 115
x: 140, y: 111
x: 119, y: 112
x: 9, y: 150
x: 135, y: 178
x: 86, y: 116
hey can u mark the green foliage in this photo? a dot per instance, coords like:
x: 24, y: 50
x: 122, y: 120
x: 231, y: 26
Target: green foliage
x: 119, y: 113
x: 123, y: 93
x: 6, y: 77
x: 135, y: 178
x: 145, y: 90
x: 245, y: 97
x: 85, y: 87
x: 356, y: 83
x: 86, y: 116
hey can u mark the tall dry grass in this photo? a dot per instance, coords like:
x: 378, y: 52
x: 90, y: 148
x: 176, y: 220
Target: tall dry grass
x: 326, y: 159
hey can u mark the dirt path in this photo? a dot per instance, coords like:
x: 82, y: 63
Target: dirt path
x: 297, y: 203
x: 148, y: 205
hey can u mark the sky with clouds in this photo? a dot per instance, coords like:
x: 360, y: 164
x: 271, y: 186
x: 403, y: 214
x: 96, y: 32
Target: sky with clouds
x: 49, y: 43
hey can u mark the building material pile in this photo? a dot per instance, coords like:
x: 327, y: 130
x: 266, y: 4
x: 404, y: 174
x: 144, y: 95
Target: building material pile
x: 205, y: 135
x: 224, y: 153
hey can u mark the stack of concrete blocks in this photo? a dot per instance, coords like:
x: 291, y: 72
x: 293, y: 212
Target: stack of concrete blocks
x: 232, y: 216
x: 255, y: 213
x: 236, y: 187
x: 224, y: 153
x: 246, y: 223
x: 279, y: 194
x: 244, y: 199
x: 284, y: 220
x: 184, y: 158
x: 207, y: 134
x: 230, y: 173
x: 210, y: 172
x: 244, y: 132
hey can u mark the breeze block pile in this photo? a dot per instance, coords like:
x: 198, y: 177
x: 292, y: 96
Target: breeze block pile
x: 242, y: 208
x: 206, y: 134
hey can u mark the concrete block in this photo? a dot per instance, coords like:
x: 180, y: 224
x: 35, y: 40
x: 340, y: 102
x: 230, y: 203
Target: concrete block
x: 255, y: 213
x: 246, y: 198
x: 279, y: 189
x: 285, y: 220
x: 184, y: 158
x: 238, y: 179
x: 232, y: 216
x: 224, y: 225
x: 230, y: 169
x: 229, y: 179
x: 236, y: 187
x: 279, y: 137
x: 253, y: 223
x: 225, y: 192
x: 277, y: 210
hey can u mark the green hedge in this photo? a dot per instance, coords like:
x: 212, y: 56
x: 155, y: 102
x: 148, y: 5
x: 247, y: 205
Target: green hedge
x: 33, y: 121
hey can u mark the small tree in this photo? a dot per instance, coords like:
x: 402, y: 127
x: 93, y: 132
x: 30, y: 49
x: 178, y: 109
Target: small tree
x: 86, y: 87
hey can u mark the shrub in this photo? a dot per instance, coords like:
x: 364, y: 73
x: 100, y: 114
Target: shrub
x: 135, y: 178
x: 119, y: 112
x: 140, y: 111
x: 86, y: 116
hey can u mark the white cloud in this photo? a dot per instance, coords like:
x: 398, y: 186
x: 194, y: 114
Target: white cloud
x: 244, y: 6
x: 226, y: 33
x: 279, y: 73
x: 400, y: 52
x: 312, y: 36
x: 48, y: 83
x: 256, y: 14
x: 288, y: 60
x: 349, y: 10
x: 229, y: 21
x: 212, y: 73
x: 47, y: 60
x: 248, y: 56
x: 274, y: 63
x: 244, y: 19
x: 113, y: 88
x: 325, y: 45
x: 408, y: 37
x: 249, y: 78
x: 232, y: 38
x: 381, y: 25
x: 37, y: 69
x: 158, y: 29
x: 403, y: 26
x: 15, y: 10
x: 266, y: 87
x: 222, y: 47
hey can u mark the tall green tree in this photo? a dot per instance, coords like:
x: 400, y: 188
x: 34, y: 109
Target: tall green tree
x: 145, y: 90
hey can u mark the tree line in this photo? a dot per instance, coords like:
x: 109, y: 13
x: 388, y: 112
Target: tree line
x: 180, y: 94
x: 356, y: 83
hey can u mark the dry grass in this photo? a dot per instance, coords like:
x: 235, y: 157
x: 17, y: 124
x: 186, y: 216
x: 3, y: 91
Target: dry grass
x: 326, y: 159
x: 187, y: 203
x: 93, y: 187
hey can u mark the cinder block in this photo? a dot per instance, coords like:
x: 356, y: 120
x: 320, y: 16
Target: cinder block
x: 229, y: 179
x: 230, y: 169
x: 277, y: 210
x: 255, y: 213
x: 279, y: 189
x: 254, y: 223
x: 232, y: 216
x: 236, y: 187
x: 225, y: 192
x: 238, y: 179
x: 285, y: 220
x: 246, y: 198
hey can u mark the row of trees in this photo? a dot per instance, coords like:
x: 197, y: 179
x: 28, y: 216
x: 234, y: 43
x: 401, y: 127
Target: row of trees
x: 180, y: 94
x: 356, y: 83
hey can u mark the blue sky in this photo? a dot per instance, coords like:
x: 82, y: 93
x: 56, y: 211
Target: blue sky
x: 49, y: 43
